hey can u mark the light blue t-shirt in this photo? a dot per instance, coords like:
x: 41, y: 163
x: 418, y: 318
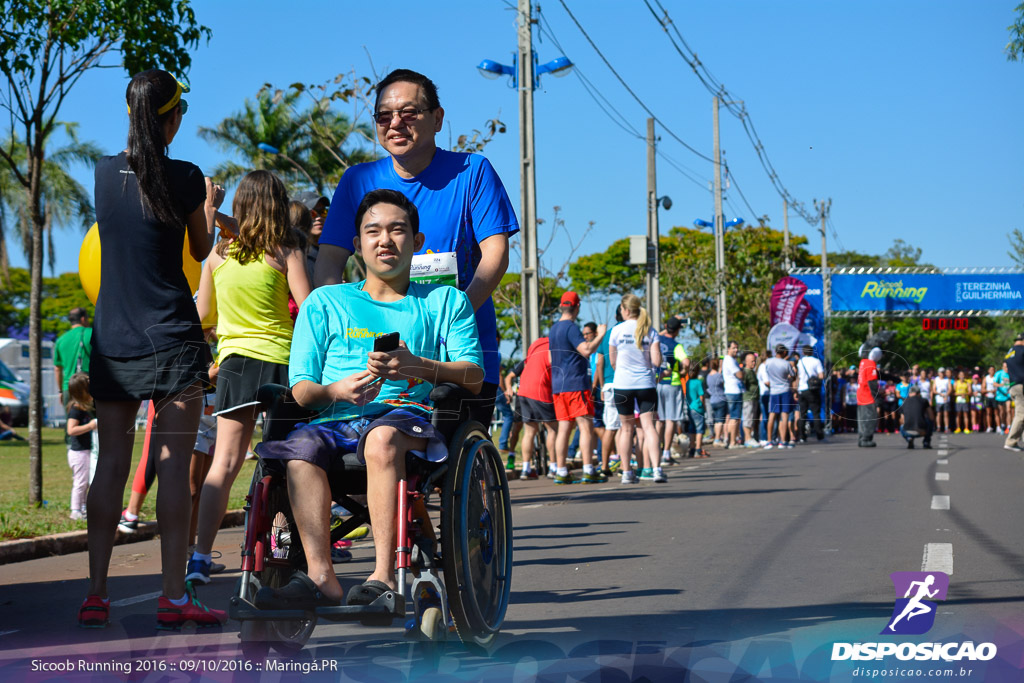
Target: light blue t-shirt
x: 337, y: 324
x: 461, y: 202
x: 609, y: 371
x: 1003, y: 393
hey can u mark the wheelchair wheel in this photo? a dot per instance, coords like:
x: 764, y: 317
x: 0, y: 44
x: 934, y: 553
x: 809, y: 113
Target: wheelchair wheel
x: 540, y: 452
x: 476, y: 536
x: 284, y: 557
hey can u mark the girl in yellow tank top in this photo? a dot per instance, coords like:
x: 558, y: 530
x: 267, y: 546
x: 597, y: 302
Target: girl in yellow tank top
x: 244, y: 292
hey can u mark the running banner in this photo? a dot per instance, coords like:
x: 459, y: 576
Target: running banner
x: 927, y: 292
x: 788, y: 302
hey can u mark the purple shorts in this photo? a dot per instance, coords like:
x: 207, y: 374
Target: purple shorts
x: 321, y: 442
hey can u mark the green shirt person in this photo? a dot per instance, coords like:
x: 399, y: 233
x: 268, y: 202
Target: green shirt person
x: 72, y: 349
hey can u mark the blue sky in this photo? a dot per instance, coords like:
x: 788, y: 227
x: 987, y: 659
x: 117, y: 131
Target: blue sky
x: 906, y: 114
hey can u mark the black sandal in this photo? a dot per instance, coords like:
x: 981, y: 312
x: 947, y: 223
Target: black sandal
x: 299, y: 593
x: 367, y: 592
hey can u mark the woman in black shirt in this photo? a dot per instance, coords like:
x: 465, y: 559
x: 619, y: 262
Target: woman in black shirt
x: 147, y: 340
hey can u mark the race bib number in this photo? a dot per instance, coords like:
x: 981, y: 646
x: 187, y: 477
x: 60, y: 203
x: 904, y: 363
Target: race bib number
x: 440, y: 269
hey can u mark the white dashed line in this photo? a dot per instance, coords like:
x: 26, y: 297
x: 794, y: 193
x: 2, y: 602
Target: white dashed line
x: 537, y: 505
x: 938, y: 557
x: 136, y: 599
x: 942, y: 476
x: 943, y: 452
x: 691, y: 467
x: 940, y: 502
x: 942, y: 462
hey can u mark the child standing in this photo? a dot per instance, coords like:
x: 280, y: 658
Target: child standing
x: 245, y: 284
x: 695, y: 396
x: 81, y: 424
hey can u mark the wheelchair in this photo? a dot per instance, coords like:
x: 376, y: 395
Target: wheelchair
x: 470, y: 580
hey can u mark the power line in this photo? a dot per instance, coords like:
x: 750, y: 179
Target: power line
x: 715, y: 87
x: 628, y: 89
x: 622, y: 122
x: 735, y: 184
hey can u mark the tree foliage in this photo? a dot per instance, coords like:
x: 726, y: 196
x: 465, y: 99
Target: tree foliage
x: 753, y: 260
x: 1015, y: 48
x: 552, y: 279
x: 60, y: 295
x: 64, y: 200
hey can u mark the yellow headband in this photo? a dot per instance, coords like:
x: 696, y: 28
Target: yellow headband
x: 173, y: 101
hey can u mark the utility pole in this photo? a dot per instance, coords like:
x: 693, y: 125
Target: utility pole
x: 653, y: 279
x: 826, y: 278
x: 721, y: 313
x: 527, y: 180
x: 785, y: 235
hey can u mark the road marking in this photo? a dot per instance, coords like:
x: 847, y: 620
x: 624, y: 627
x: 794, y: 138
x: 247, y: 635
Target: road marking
x: 940, y: 502
x: 537, y: 505
x: 7, y: 633
x: 136, y: 599
x: 943, y: 461
x: 942, y: 476
x: 943, y: 452
x: 938, y: 557
x: 691, y: 467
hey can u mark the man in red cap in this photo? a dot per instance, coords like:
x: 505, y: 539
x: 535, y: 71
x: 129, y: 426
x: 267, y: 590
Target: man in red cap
x: 570, y: 384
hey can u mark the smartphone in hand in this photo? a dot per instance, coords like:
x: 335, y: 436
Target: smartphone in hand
x: 386, y: 343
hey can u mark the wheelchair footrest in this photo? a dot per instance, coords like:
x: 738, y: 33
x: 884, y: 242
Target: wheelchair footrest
x: 383, y: 610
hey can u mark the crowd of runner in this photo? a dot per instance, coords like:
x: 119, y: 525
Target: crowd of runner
x: 965, y: 400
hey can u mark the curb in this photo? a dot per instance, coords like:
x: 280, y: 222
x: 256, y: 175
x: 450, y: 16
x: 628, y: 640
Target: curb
x: 23, y: 549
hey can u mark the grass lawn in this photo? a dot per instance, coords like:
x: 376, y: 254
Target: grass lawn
x: 20, y: 520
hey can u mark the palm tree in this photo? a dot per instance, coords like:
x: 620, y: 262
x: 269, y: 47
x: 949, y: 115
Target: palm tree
x: 313, y: 146
x: 64, y: 200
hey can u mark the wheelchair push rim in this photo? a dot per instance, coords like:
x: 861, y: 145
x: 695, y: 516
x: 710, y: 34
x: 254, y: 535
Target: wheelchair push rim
x: 476, y: 536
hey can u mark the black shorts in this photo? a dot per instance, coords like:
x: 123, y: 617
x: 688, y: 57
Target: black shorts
x: 533, y: 410
x: 152, y: 377
x: 990, y: 402
x: 628, y: 401
x: 239, y: 379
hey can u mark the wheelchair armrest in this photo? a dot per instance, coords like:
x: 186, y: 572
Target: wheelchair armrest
x: 283, y: 411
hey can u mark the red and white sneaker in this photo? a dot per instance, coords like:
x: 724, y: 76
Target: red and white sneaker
x: 171, y: 617
x: 94, y: 612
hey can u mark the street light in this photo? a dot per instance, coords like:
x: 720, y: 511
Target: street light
x: 525, y: 75
x: 270, y: 149
x: 721, y: 313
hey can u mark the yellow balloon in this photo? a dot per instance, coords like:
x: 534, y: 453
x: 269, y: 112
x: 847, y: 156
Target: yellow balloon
x: 89, y: 264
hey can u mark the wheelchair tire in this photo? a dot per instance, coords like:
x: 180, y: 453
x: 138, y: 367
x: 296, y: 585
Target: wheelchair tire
x: 476, y: 535
x: 290, y: 636
x: 541, y: 457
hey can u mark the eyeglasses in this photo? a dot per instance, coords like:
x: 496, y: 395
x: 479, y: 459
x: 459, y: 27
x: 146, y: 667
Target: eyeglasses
x: 385, y: 117
x: 184, y: 106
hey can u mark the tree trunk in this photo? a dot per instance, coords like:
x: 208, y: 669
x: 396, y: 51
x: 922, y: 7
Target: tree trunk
x: 35, y: 400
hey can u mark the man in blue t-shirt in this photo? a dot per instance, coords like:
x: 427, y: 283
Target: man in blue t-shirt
x: 373, y: 403
x: 466, y: 214
x: 570, y: 385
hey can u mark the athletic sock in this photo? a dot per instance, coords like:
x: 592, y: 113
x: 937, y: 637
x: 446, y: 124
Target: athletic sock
x: 180, y: 602
x: 588, y: 469
x: 562, y: 472
x: 196, y: 555
x: 129, y: 516
x: 665, y: 455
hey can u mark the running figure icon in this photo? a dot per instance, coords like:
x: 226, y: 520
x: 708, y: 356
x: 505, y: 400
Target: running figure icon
x: 915, y: 607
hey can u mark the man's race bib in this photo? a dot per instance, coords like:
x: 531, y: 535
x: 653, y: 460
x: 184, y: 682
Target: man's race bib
x: 440, y: 269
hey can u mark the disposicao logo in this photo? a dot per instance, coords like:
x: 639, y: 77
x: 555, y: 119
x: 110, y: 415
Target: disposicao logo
x: 914, y: 614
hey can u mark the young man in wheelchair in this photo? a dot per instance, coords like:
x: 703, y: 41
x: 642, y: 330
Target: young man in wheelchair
x: 370, y: 402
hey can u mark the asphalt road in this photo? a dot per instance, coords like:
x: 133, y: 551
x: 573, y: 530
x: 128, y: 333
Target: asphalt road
x: 747, y: 566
